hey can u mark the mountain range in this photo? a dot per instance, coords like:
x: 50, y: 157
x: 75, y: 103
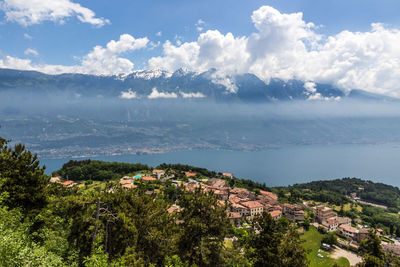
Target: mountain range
x: 209, y: 85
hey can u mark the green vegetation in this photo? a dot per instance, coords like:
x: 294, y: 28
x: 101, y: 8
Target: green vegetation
x: 313, y: 240
x: 334, y: 193
x: 97, y: 223
x: 100, y: 224
x: 369, y: 191
x: 97, y: 170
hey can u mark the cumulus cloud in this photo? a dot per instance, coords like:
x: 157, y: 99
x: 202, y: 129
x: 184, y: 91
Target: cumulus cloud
x: 31, y: 51
x: 156, y: 94
x: 128, y: 94
x: 192, y: 95
x: 158, y: 33
x: 32, y: 12
x: 287, y: 47
x: 106, y: 60
x: 101, y: 60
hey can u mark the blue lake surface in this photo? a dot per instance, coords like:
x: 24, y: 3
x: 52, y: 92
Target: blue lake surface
x: 283, y: 166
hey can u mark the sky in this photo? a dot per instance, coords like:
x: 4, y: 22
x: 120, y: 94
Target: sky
x: 351, y: 44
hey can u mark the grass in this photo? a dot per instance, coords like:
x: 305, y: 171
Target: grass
x: 313, y: 242
x: 347, y: 207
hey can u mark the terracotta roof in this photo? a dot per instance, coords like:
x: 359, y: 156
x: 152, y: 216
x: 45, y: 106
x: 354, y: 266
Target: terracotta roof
x: 252, y: 204
x: 148, y: 178
x: 237, y: 206
x: 275, y: 213
x: 227, y: 174
x: 158, y: 171
x: 190, y: 174
x: 354, y: 245
x: 68, y: 183
x: 238, y: 190
x: 123, y: 182
x: 349, y: 229
x: 269, y: 194
x: 129, y: 186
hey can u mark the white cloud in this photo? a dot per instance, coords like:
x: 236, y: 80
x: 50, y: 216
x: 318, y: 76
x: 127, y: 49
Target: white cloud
x: 27, y: 36
x: 156, y: 94
x: 159, y: 33
x: 106, y: 60
x: 310, y: 87
x: 101, y: 60
x: 285, y: 46
x: 31, y: 51
x: 228, y: 82
x: 29, y: 12
x: 200, y: 25
x: 128, y: 94
x: 192, y: 95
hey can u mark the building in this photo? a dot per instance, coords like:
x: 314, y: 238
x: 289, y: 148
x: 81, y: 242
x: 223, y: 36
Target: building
x: 276, y: 214
x: 148, y: 179
x: 68, y: 184
x: 242, y: 210
x: 348, y: 231
x: 158, y: 173
x: 55, y: 179
x: 333, y: 223
x: 270, y: 195
x: 128, y: 186
x: 221, y: 194
x: 255, y: 208
x: 215, y: 182
x: 323, y: 213
x: 235, y: 218
x: 362, y: 234
x: 190, y: 174
x: 227, y: 174
x: 240, y: 192
x: 293, y: 213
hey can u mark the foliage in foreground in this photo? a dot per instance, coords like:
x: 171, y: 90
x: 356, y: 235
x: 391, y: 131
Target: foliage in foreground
x: 49, y: 225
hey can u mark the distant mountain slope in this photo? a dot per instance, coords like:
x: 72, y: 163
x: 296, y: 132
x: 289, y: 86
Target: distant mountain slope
x: 210, y: 85
x: 375, y: 192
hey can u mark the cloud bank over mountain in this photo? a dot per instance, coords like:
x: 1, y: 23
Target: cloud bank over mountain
x: 29, y: 12
x: 283, y: 46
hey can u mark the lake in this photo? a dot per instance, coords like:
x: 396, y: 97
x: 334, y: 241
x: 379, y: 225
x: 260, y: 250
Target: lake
x: 283, y: 166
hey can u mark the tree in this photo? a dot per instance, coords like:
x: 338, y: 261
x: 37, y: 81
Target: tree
x: 274, y: 243
x: 290, y: 251
x: 22, y: 180
x: 372, y: 252
x: 306, y: 224
x: 203, y: 229
x: 330, y: 238
x: 263, y: 242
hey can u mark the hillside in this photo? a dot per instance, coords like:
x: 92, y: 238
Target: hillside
x: 367, y: 190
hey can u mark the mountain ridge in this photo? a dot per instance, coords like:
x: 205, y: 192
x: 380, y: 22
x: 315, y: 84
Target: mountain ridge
x: 210, y: 85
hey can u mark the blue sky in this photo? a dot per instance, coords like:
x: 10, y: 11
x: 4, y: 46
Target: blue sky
x: 65, y: 32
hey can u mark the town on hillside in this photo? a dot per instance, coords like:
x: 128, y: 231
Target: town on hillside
x: 243, y: 205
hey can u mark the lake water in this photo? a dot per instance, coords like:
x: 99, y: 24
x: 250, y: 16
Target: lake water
x: 282, y: 166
